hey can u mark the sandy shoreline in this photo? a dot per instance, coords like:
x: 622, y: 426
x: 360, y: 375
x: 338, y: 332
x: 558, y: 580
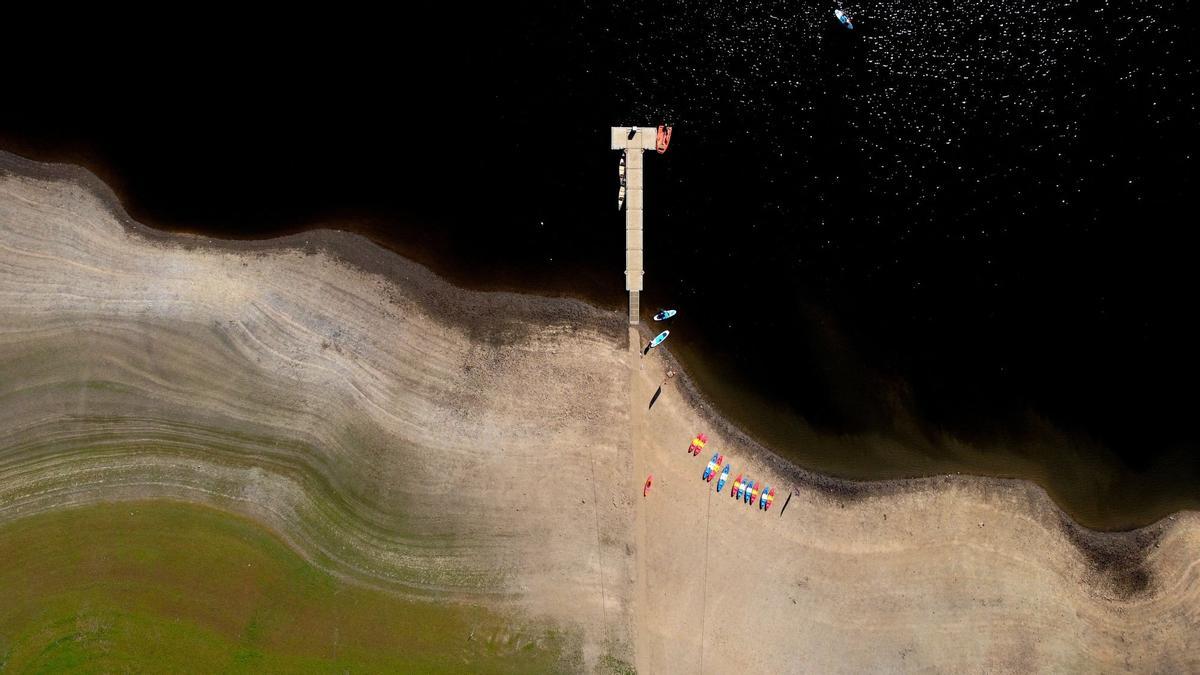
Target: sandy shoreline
x: 336, y: 392
x: 922, y: 450
x: 1120, y: 556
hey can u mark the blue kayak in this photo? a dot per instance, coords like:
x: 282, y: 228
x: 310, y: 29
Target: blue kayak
x: 659, y: 340
x: 665, y: 314
x: 724, y: 477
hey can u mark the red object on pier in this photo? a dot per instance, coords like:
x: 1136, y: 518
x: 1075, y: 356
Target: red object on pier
x: 663, y: 139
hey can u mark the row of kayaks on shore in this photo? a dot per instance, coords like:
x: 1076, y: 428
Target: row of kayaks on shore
x: 746, y: 489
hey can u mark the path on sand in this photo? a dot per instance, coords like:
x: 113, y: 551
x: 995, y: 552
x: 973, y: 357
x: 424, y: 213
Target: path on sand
x: 640, y: 469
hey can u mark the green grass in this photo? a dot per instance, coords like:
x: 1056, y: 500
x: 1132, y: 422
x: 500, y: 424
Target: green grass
x: 168, y: 587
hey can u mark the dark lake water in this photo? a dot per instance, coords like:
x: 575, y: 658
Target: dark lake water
x: 959, y: 221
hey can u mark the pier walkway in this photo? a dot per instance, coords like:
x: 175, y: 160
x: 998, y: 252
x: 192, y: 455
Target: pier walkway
x: 633, y: 145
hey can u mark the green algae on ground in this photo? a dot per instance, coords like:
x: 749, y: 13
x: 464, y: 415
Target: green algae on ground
x: 163, y: 586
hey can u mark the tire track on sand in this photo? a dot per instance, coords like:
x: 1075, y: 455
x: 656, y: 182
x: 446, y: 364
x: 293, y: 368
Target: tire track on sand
x: 637, y: 437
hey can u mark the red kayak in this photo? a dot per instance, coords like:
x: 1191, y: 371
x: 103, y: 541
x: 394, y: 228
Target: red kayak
x: 663, y: 139
x: 649, y: 484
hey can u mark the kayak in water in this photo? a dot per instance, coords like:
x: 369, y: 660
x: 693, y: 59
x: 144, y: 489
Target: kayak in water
x: 659, y: 340
x: 665, y: 314
x: 662, y: 139
x: 844, y: 18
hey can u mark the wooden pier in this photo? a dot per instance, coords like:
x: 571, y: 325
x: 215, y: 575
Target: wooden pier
x: 642, y: 139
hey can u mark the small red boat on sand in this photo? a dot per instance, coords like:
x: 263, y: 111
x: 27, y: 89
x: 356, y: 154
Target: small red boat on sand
x: 649, y: 484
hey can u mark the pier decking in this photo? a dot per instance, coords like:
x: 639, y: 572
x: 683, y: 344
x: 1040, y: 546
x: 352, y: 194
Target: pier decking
x: 642, y: 139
